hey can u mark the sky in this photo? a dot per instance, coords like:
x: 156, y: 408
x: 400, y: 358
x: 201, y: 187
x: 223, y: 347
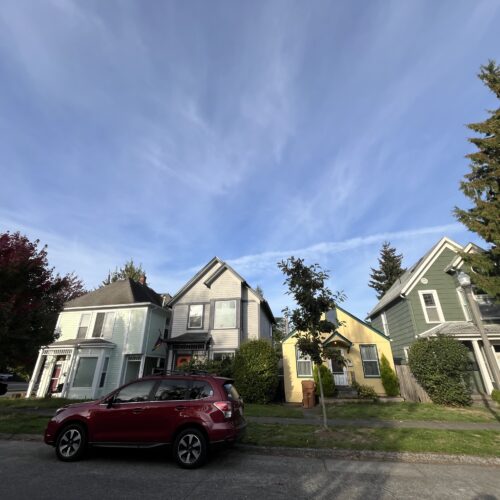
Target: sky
x: 170, y: 132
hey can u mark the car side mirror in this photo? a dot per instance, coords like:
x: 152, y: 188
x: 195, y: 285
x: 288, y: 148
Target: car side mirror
x: 110, y: 401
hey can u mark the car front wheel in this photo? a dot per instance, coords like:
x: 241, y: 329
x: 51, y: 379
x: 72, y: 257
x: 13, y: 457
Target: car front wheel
x: 190, y: 448
x: 71, y: 443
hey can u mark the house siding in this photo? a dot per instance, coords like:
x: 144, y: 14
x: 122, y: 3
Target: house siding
x: 445, y: 286
x: 401, y: 327
x: 359, y: 334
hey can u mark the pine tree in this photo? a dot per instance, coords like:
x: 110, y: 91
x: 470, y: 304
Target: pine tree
x: 129, y: 270
x: 481, y: 185
x: 389, y: 270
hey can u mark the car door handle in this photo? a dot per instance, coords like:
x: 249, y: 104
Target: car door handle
x: 138, y: 410
x: 180, y: 408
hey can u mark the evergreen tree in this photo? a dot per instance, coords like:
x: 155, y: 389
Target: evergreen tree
x: 481, y: 185
x: 129, y: 270
x: 389, y: 270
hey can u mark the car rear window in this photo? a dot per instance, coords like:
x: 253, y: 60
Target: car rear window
x: 231, y: 391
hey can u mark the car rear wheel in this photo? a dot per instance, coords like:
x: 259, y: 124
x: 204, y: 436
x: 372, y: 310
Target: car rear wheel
x: 71, y: 443
x: 190, y: 448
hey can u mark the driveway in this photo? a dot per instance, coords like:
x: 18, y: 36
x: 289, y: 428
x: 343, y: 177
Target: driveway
x: 30, y: 470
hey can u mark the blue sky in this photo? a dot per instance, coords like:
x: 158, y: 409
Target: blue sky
x: 171, y: 132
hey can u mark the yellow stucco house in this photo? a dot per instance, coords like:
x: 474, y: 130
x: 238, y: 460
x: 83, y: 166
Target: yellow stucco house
x: 360, y: 344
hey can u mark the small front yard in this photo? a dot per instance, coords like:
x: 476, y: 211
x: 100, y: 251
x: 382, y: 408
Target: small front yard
x: 273, y: 410
x: 484, y: 442
x: 412, y: 411
x: 35, y: 403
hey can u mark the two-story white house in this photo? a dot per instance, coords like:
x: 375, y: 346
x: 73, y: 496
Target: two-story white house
x: 105, y: 338
x: 213, y: 313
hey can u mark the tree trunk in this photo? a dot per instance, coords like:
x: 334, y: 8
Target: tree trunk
x: 322, y: 398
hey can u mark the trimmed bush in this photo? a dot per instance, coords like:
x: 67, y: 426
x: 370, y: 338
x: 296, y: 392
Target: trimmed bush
x: 389, y: 378
x: 222, y: 368
x: 255, y: 371
x: 327, y: 379
x: 495, y: 395
x: 365, y: 391
x: 440, y: 366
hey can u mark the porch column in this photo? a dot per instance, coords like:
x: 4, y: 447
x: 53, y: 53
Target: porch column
x: 141, y: 367
x: 69, y: 375
x: 485, y: 375
x: 36, y: 372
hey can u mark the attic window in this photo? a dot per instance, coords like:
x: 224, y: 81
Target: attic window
x: 431, y: 306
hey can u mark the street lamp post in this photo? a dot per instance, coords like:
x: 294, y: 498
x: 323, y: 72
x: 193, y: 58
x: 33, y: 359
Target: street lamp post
x: 465, y: 283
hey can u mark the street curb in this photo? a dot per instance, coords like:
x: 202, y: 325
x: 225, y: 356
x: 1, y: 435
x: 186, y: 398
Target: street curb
x: 360, y: 455
x: 385, y: 456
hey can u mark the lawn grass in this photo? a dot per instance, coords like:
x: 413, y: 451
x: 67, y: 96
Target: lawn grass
x: 273, y: 410
x: 35, y: 403
x: 412, y: 411
x: 22, y: 423
x: 484, y: 442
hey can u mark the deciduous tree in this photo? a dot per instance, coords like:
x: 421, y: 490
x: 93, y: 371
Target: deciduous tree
x: 307, y: 285
x: 31, y: 296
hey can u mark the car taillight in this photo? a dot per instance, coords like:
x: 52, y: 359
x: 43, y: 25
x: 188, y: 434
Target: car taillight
x: 226, y: 407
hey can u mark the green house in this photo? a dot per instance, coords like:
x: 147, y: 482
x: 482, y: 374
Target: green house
x: 427, y: 300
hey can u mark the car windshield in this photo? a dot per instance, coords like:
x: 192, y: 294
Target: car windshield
x: 231, y: 391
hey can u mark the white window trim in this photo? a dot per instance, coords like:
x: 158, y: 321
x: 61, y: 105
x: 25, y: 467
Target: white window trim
x: 202, y: 317
x: 436, y: 301
x: 303, y: 358
x: 80, y: 324
x: 385, y: 324
x: 371, y: 360
x: 406, y: 350
x: 462, y: 298
x: 235, y: 314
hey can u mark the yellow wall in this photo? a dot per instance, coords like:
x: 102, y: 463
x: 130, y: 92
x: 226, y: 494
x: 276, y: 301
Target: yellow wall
x: 358, y: 333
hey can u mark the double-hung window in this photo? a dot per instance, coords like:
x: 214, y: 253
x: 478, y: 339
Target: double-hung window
x: 84, y: 325
x: 225, y: 314
x: 304, y: 364
x: 195, y: 316
x: 103, y: 326
x: 369, y: 357
x: 431, y: 306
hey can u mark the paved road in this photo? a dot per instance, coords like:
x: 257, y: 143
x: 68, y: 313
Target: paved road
x: 30, y: 471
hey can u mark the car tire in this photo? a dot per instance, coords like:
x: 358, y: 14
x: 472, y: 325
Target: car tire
x: 71, y: 443
x: 190, y: 448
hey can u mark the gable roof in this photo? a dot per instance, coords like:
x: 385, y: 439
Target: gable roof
x: 120, y: 292
x: 410, y: 277
x: 211, y: 279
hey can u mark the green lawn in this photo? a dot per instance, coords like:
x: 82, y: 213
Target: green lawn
x: 412, y: 411
x: 34, y: 403
x: 273, y: 410
x: 22, y: 423
x: 485, y: 443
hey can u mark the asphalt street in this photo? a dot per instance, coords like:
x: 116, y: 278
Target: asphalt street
x: 30, y: 470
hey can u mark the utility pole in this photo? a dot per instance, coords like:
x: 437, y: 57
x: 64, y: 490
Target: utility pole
x: 465, y: 283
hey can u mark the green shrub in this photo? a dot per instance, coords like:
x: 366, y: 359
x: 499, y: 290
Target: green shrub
x: 222, y: 368
x: 440, y: 366
x: 389, y: 378
x: 327, y: 379
x: 495, y: 395
x: 255, y: 371
x: 365, y: 391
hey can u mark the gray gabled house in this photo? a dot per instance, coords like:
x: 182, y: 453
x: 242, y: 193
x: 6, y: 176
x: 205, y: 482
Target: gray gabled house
x: 214, y: 313
x: 427, y: 300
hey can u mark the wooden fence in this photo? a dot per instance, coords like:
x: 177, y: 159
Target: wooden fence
x: 410, y: 389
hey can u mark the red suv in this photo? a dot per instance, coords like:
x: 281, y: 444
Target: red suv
x: 190, y: 412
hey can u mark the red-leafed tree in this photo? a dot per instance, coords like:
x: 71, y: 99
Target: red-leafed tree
x: 31, y: 296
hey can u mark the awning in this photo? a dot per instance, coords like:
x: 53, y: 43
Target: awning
x: 194, y: 341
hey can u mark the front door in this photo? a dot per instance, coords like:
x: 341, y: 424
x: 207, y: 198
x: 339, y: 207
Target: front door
x: 339, y: 371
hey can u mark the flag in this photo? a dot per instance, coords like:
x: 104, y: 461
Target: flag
x: 158, y: 343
